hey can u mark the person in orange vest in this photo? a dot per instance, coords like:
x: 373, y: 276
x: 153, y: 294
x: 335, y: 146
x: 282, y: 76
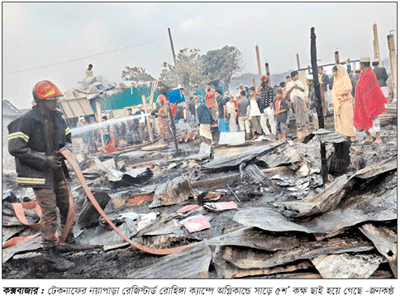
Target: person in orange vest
x: 34, y: 140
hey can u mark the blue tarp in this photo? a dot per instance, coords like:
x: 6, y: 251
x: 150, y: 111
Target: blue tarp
x: 175, y: 95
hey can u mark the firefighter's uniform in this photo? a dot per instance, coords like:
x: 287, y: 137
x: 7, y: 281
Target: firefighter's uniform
x: 32, y: 138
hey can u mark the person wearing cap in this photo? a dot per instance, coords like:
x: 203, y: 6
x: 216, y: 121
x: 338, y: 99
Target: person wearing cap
x: 35, y: 140
x: 267, y: 107
x: 369, y: 102
x: 343, y: 102
x: 296, y: 90
x: 382, y: 76
x: 281, y: 109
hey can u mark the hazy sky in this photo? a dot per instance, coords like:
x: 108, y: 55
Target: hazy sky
x: 58, y: 34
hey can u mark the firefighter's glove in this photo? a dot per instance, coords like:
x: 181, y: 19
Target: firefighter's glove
x: 54, y: 161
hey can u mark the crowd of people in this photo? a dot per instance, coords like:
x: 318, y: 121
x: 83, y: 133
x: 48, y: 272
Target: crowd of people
x: 357, y: 97
x: 36, y: 138
x: 262, y: 111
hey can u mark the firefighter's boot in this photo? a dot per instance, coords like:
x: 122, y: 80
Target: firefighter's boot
x: 55, y: 260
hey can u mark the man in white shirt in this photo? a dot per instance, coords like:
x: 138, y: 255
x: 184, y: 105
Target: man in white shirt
x: 297, y: 96
x: 89, y: 71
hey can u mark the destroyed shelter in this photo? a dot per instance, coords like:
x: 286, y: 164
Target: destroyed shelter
x: 256, y: 209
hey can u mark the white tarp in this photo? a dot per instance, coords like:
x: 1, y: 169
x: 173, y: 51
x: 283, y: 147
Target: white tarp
x: 90, y: 87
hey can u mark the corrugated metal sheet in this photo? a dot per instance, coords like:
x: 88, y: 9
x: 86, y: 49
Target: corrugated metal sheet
x: 74, y: 108
x: 193, y: 262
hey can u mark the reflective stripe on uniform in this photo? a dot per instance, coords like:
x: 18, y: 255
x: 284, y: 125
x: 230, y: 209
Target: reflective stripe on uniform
x: 67, y: 131
x: 18, y: 134
x: 31, y: 180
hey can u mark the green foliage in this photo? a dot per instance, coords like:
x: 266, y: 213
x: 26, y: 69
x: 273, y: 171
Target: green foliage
x: 136, y: 75
x: 222, y: 64
x: 187, y: 72
x: 193, y: 71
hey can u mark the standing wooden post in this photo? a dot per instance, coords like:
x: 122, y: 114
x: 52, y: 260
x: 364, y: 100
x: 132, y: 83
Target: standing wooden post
x: 393, y: 63
x: 171, y: 119
x: 377, y: 54
x: 337, y: 61
x: 258, y: 62
x: 149, y: 128
x: 317, y: 86
x: 268, y: 73
x: 298, y: 61
x: 172, y: 46
x: 98, y: 108
x: 254, y: 84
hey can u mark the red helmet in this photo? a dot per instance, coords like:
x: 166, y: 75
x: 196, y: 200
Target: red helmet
x: 46, y: 90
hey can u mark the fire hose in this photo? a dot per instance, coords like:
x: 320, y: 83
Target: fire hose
x: 74, y: 164
x: 18, y: 208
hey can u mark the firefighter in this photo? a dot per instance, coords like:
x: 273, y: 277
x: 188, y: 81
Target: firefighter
x: 34, y: 140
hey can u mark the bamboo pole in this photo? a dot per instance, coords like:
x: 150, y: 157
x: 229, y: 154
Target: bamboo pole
x: 172, y: 46
x: 377, y: 54
x: 298, y: 61
x: 98, y: 108
x: 258, y: 62
x: 149, y: 128
x: 327, y: 65
x: 254, y: 84
x: 268, y: 74
x: 393, y: 62
x: 337, y: 61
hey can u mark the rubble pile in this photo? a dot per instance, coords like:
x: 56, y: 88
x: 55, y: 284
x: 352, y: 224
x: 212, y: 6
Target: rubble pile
x: 258, y: 209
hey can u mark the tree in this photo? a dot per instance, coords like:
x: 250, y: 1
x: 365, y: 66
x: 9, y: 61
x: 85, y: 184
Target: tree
x: 136, y: 75
x: 187, y: 71
x: 222, y: 64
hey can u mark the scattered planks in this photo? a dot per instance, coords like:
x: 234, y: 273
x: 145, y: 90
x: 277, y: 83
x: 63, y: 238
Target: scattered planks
x: 228, y: 270
x: 385, y: 241
x: 246, y: 258
x: 257, y: 239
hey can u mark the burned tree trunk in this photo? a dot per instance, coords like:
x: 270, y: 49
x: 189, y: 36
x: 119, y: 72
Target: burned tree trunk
x: 324, y: 166
x: 340, y: 159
